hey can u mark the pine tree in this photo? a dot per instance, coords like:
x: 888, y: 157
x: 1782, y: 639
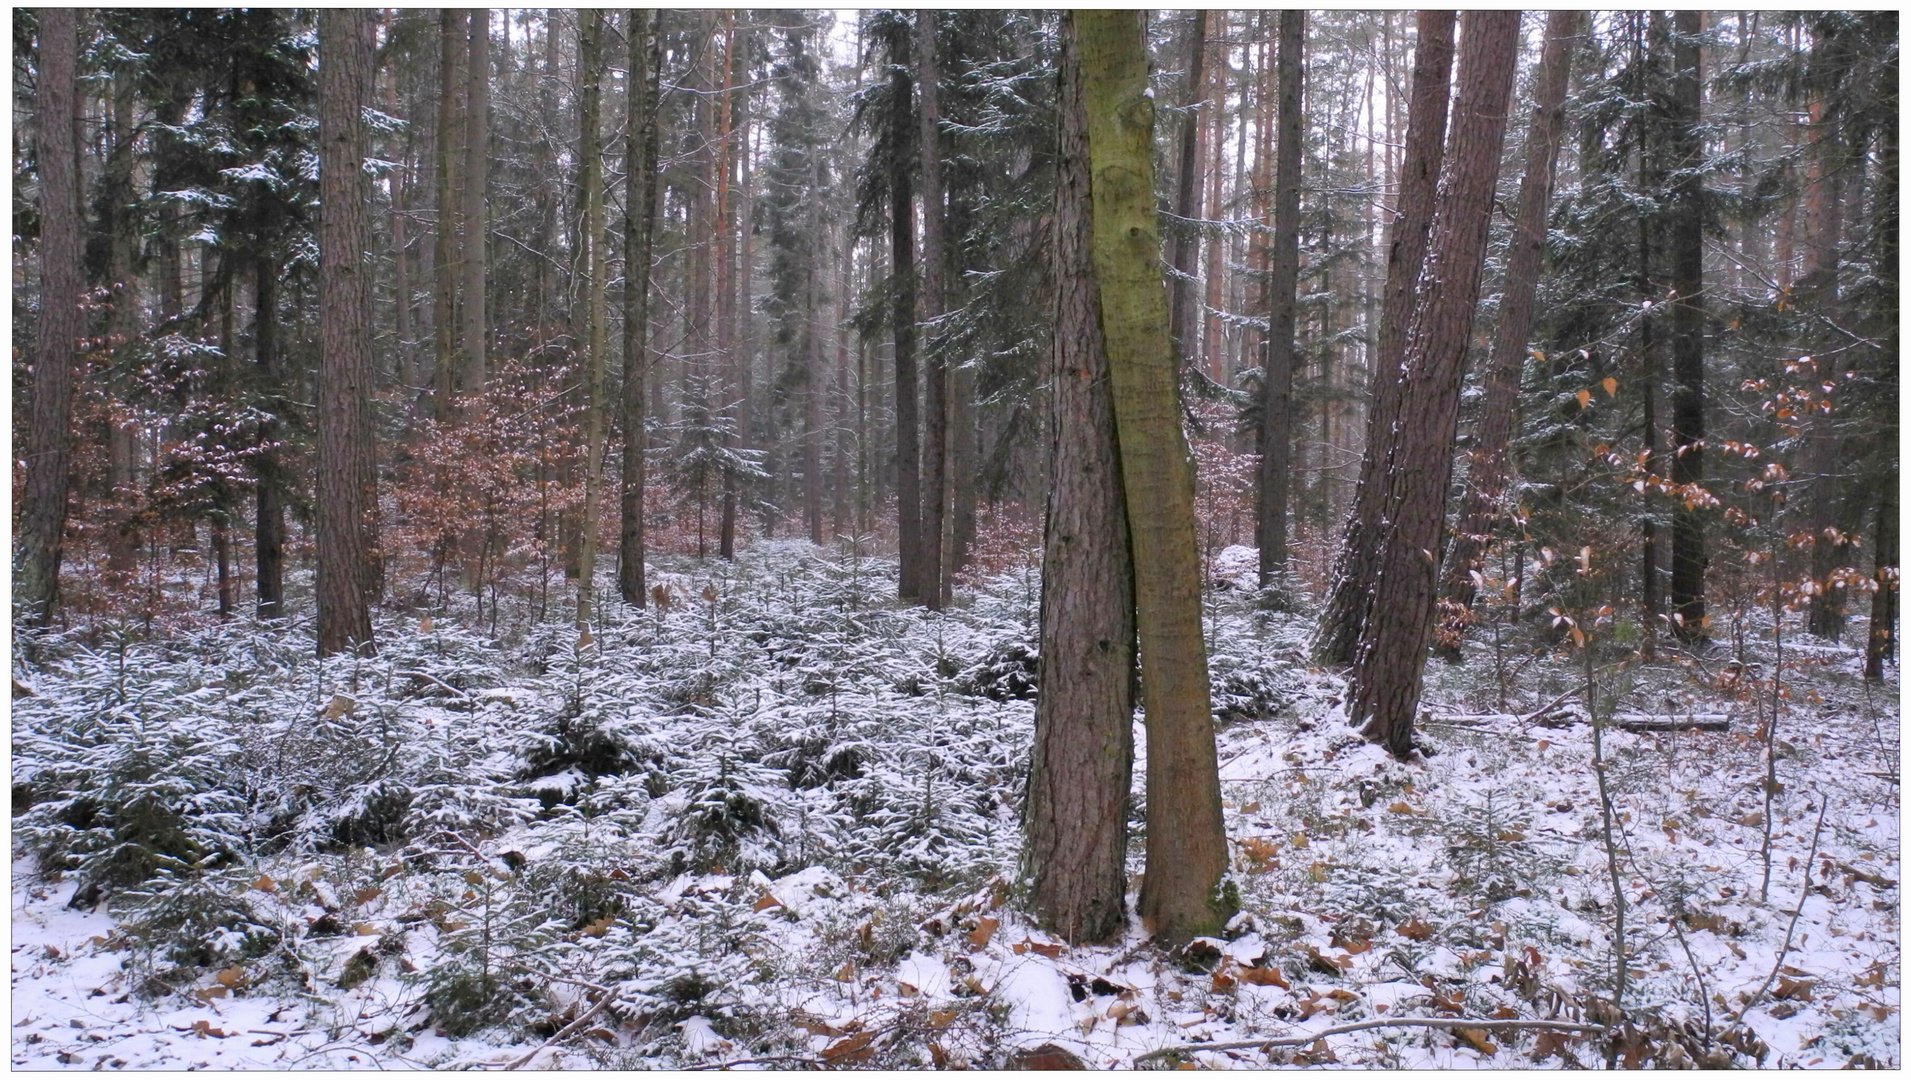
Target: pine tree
x: 1187, y: 848
x: 644, y: 35
x: 1387, y: 672
x: 1277, y: 369
x: 1486, y: 474
x: 1076, y: 820
x: 1350, y: 593
x: 49, y: 447
x: 346, y: 573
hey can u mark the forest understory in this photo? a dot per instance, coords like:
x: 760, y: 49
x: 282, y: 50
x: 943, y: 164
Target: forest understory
x: 776, y: 822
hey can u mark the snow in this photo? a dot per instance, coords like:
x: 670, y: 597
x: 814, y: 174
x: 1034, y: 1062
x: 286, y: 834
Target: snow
x: 869, y: 917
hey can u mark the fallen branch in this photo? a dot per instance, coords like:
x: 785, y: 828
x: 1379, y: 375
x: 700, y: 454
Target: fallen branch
x: 427, y: 678
x: 1366, y: 1025
x: 780, y: 1059
x: 565, y: 1032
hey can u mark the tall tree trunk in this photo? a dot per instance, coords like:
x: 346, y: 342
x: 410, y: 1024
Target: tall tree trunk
x: 1277, y: 381
x: 1821, y: 459
x: 1184, y: 243
x: 935, y: 404
x: 1686, y: 240
x: 400, y: 243
x: 346, y: 574
x: 1387, y: 672
x: 590, y: 232
x: 724, y: 286
x: 1187, y: 847
x: 1083, y: 758
x: 644, y: 33
x: 446, y: 266
x: 1216, y: 157
x: 49, y: 443
x: 812, y: 439
x: 1356, y: 560
x: 1486, y: 478
x: 121, y: 228
x: 902, y: 246
x: 476, y: 159
x: 269, y: 531
x: 1881, y: 641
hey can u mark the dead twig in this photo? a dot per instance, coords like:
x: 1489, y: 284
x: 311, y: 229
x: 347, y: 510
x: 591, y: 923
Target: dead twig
x: 566, y: 1031
x: 1804, y: 892
x: 780, y: 1059
x: 1367, y: 1025
x: 427, y: 678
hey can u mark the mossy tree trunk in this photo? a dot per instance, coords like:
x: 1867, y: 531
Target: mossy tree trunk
x: 1187, y: 848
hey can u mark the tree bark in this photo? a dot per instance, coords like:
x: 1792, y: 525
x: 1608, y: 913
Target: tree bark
x: 645, y: 38
x: 1184, y: 243
x: 1486, y: 478
x: 1187, y: 848
x: 346, y: 574
x: 1387, y: 672
x: 476, y: 160
x: 902, y: 245
x: 49, y: 443
x: 269, y: 530
x: 1083, y: 758
x: 590, y: 231
x: 1356, y: 562
x: 935, y: 404
x: 447, y: 269
x: 1277, y: 380
x: 1686, y: 239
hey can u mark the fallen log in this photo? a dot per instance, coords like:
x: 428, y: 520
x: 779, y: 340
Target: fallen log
x: 1672, y: 721
x: 1368, y: 1025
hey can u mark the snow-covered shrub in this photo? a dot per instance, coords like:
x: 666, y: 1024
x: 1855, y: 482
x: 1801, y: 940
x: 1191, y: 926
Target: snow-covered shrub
x: 187, y: 919
x: 121, y: 792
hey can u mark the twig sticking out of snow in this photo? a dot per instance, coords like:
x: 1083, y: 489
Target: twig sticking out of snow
x: 1366, y: 1025
x: 566, y: 1032
x: 1804, y: 891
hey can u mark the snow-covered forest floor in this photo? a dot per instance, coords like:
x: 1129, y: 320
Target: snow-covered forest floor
x: 777, y: 823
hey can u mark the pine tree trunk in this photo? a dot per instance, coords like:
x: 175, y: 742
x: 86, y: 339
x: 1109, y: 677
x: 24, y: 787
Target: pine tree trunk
x: 1686, y: 239
x: 724, y: 285
x: 1356, y: 561
x: 1387, y: 671
x: 476, y: 160
x: 49, y: 443
x: 1277, y: 382
x: 1820, y: 461
x: 935, y: 407
x: 346, y: 575
x: 121, y: 228
x: 1187, y: 848
x: 1185, y: 241
x: 1486, y: 478
x: 644, y: 33
x: 590, y: 231
x: 447, y: 269
x: 902, y: 246
x: 268, y: 537
x: 1881, y: 641
x: 813, y: 384
x: 1083, y: 758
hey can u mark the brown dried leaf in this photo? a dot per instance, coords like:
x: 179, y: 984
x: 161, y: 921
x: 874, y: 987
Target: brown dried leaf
x: 1477, y: 1039
x: 852, y: 1048
x: 985, y: 928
